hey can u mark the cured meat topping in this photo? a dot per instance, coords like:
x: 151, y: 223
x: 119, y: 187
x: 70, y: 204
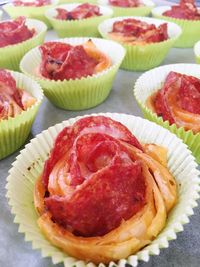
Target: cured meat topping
x: 80, y: 12
x: 14, y: 32
x: 125, y: 3
x: 36, y: 3
x: 136, y: 31
x: 93, y: 181
x: 12, y: 100
x: 185, y: 10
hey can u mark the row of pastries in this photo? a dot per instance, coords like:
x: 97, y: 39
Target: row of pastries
x: 103, y: 194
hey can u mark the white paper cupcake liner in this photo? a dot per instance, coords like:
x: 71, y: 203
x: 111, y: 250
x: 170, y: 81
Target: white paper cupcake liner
x: 28, y: 166
x: 11, y: 55
x: 74, y: 28
x: 1, y: 14
x: 81, y: 93
x: 143, y: 57
x: 14, y: 131
x: 150, y: 82
x: 190, y: 28
x: 143, y: 10
x: 29, y: 11
x: 197, y: 52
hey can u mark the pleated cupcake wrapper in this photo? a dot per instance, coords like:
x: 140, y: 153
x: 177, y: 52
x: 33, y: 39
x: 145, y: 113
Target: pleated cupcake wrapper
x: 150, y: 82
x: 143, y: 57
x: 81, y: 93
x: 30, y: 162
x: 1, y: 14
x: 144, y: 10
x: 11, y: 55
x: 197, y: 52
x: 74, y: 28
x: 190, y: 28
x: 29, y: 12
x: 14, y: 131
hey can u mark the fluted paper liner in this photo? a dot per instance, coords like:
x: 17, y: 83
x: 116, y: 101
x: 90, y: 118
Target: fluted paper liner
x: 1, y: 14
x: 30, y: 11
x: 14, y: 131
x: 197, y: 52
x: 150, y: 82
x: 74, y: 28
x: 143, y: 10
x: 190, y: 28
x: 11, y: 55
x: 143, y: 57
x: 30, y: 162
x: 81, y: 93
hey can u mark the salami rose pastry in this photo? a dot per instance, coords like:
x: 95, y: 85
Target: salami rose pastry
x: 62, y: 61
x: 146, y: 40
x: 102, y: 195
x: 78, y: 19
x: 178, y: 101
x: 134, y: 31
x: 30, y: 9
x: 14, y: 32
x: 129, y: 7
x: 76, y: 73
x: 187, y: 15
x: 20, y: 98
x: 170, y: 96
x: 12, y: 99
x: 17, y: 37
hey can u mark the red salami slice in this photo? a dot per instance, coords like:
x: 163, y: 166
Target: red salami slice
x: 13, y: 32
x: 80, y: 12
x: 118, y: 192
x: 185, y: 10
x: 125, y: 3
x: 36, y: 3
x: 141, y: 30
x: 92, y: 124
x: 62, y: 61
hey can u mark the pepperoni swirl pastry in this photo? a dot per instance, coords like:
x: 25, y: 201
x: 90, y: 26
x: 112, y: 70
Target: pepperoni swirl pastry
x: 102, y: 195
x: 64, y: 61
x: 125, y: 3
x: 185, y: 10
x: 134, y: 31
x: 12, y: 100
x: 36, y: 3
x: 14, y: 32
x: 178, y: 101
x: 80, y: 12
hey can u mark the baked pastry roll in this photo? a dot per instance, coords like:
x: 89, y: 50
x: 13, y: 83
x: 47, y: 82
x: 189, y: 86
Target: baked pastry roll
x: 102, y: 195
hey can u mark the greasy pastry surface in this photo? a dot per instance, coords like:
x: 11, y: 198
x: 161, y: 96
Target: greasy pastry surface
x: 125, y: 3
x: 14, y: 32
x: 12, y: 100
x: 178, y: 101
x: 36, y: 3
x: 185, y: 10
x: 133, y: 31
x: 82, y: 11
x: 63, y: 61
x: 102, y: 195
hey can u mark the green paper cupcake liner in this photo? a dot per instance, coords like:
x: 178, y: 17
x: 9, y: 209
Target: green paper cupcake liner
x: 197, y: 52
x: 75, y: 28
x: 14, y: 131
x: 144, y: 10
x: 29, y: 165
x: 29, y: 12
x: 150, y: 82
x: 11, y: 55
x: 81, y: 93
x: 190, y: 28
x: 143, y: 57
